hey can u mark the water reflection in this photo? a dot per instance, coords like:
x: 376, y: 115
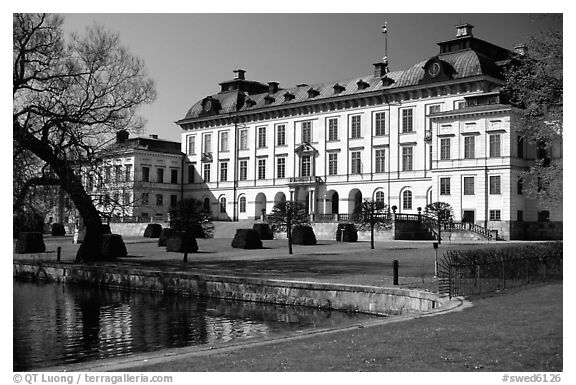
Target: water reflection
x: 56, y: 324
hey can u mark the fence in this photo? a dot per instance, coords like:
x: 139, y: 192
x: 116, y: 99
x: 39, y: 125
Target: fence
x: 473, y: 272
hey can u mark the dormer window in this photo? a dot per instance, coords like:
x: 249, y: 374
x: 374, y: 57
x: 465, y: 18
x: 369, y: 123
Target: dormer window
x: 362, y: 85
x: 269, y: 99
x: 288, y: 96
x: 250, y: 103
x: 338, y: 88
x: 313, y: 93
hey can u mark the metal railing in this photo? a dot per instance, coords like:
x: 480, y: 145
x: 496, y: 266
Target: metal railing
x: 305, y: 180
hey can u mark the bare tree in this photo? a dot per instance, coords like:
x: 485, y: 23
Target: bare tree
x: 70, y: 97
x: 286, y: 215
x: 374, y: 216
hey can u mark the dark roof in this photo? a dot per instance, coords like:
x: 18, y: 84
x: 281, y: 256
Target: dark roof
x: 465, y: 63
x: 149, y: 144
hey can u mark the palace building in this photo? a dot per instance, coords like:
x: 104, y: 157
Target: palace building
x: 437, y: 131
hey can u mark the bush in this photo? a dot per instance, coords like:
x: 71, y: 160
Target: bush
x: 58, y: 230
x: 113, y: 247
x: 181, y: 242
x: 30, y: 243
x: 164, y: 235
x: 303, y: 235
x: 263, y: 229
x: 346, y: 232
x: 29, y: 222
x: 153, y: 230
x: 247, y: 239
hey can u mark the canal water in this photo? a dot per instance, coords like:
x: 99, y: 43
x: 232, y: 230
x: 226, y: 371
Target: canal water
x: 56, y: 324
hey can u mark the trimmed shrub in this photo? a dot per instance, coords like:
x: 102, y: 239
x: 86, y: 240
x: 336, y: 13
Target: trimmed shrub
x: 26, y: 222
x: 58, y: 230
x: 164, y: 235
x: 346, y: 232
x: 263, y: 229
x: 113, y: 247
x: 303, y: 235
x: 247, y: 239
x: 181, y: 242
x: 106, y: 229
x: 30, y: 243
x: 153, y: 230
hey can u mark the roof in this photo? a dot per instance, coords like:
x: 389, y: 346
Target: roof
x: 465, y: 63
x: 148, y: 144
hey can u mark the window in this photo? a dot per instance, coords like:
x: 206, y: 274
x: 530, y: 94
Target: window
x: 444, y: 186
x: 174, y: 176
x: 281, y: 135
x: 468, y: 185
x: 407, y: 158
x: 379, y: 198
x: 469, y: 147
x: 495, y: 187
x: 519, y: 185
x: 206, y: 172
x: 494, y: 145
x: 118, y: 174
x: 281, y: 167
x: 191, y: 144
x: 305, y: 166
x: 459, y: 104
x: 407, y: 120
x: 261, y: 137
x: 223, y: 204
x: 434, y: 109
x: 544, y: 216
x: 207, y: 143
x: 380, y: 124
x: 495, y: 215
x: 160, y: 175
x: 223, y: 171
x: 243, y: 168
x: 520, y: 147
x: 159, y: 200
x: 191, y: 173
x: 380, y: 160
x: 520, y: 216
x: 355, y: 128
x: 332, y: 129
x: 224, y: 141
x: 107, y: 174
x: 356, y: 167
x: 242, y: 204
x: 261, y: 168
x: 145, y: 199
x: 445, y: 149
x: 306, y: 132
x: 333, y: 163
x: 173, y: 201
x: 243, y: 139
x: 145, y: 174
x: 128, y: 172
x: 407, y: 200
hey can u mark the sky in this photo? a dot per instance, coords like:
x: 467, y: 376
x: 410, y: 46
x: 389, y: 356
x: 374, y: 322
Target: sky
x: 189, y: 54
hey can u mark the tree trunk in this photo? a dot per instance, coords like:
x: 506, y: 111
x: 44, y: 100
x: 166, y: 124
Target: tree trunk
x: 91, y: 248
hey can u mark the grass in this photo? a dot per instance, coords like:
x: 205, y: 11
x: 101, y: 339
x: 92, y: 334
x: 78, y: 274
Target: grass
x: 518, y: 331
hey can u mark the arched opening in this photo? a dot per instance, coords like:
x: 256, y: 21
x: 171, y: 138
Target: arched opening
x: 223, y: 205
x: 280, y: 197
x: 406, y: 200
x: 242, y: 204
x: 354, y: 201
x: 335, y: 204
x: 380, y: 198
x: 206, y: 204
x: 260, y: 205
x: 429, y: 196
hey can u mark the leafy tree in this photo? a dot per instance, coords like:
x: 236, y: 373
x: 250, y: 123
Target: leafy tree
x: 285, y: 215
x: 440, y: 211
x: 374, y: 216
x: 192, y: 212
x: 534, y: 84
x: 70, y: 97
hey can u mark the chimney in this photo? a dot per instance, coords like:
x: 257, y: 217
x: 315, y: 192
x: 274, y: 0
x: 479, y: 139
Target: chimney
x: 521, y: 49
x: 239, y: 74
x: 464, y: 30
x: 272, y: 87
x: 380, y: 69
x: 122, y: 136
x: 153, y: 136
